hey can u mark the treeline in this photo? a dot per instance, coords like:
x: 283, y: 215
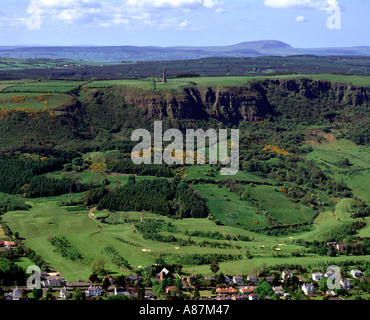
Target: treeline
x: 11, y: 274
x: 202, y: 259
x: 151, y: 231
x: 65, y: 249
x: 16, y: 171
x: 128, y: 167
x: 158, y: 196
x: 11, y: 203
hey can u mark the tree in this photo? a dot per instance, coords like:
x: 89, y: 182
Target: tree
x: 78, y: 294
x: 37, y: 293
x: 94, y: 278
x: 120, y: 281
x: 105, y: 284
x: 98, y: 266
x: 214, y: 266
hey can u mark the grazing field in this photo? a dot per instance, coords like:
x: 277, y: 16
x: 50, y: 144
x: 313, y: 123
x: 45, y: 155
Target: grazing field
x: 45, y: 86
x: 34, y: 101
x: 356, y: 174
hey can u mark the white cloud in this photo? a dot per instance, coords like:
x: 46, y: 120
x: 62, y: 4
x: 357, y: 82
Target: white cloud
x: 294, y: 3
x: 300, y: 19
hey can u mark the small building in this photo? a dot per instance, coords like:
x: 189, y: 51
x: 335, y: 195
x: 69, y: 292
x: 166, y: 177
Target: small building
x: 16, y: 294
x: 278, y: 290
x: 247, y: 290
x: 346, y: 284
x: 165, y: 274
x: 253, y: 296
x: 64, y: 293
x: 93, y: 291
x: 133, y: 278
x: 238, y: 279
x: 357, y: 274
x: 52, y: 281
x: 253, y: 279
x: 269, y: 279
x: 317, y: 276
x: 120, y: 291
x: 228, y: 280
x: 308, y: 288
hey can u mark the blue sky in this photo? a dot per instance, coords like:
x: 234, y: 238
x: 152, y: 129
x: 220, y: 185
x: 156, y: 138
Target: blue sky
x: 301, y: 23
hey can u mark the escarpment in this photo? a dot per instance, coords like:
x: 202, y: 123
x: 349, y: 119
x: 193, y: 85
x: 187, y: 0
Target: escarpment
x: 251, y: 102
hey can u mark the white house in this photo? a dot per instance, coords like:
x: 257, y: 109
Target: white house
x: 278, y: 290
x: 238, y: 279
x: 93, y: 291
x: 64, y: 293
x: 317, y: 276
x: 357, y: 274
x: 52, y: 281
x: 308, y: 288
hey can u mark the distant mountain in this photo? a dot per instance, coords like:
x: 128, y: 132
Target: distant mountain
x: 151, y: 53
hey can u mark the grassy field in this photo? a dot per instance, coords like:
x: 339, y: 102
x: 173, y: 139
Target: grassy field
x: 226, y: 81
x: 356, y: 175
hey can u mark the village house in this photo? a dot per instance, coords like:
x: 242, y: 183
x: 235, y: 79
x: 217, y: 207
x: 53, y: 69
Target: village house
x: 52, y: 281
x: 64, y: 293
x: 16, y: 294
x: 269, y: 279
x: 278, y: 290
x: 223, y: 298
x: 228, y: 280
x: 164, y: 274
x: 133, y: 278
x: 7, y: 244
x: 238, y: 279
x: 93, y: 291
x: 228, y: 290
x: 253, y: 279
x: 286, y: 275
x: 308, y: 288
x: 253, y: 296
x: 247, y: 290
x: 347, y: 284
x: 340, y: 247
x: 317, y: 276
x: 357, y: 274
x: 120, y: 291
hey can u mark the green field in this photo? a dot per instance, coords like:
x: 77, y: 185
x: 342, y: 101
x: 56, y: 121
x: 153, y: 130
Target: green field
x: 356, y: 175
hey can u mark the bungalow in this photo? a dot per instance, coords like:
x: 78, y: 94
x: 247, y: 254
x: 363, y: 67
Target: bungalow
x: 269, y: 279
x: 253, y: 279
x: 8, y: 244
x: 247, y: 290
x: 253, y: 296
x: 93, y: 291
x: 346, y: 284
x: 317, y: 276
x: 308, y: 288
x: 64, y: 293
x: 238, y: 279
x: 357, y: 274
x: 226, y: 290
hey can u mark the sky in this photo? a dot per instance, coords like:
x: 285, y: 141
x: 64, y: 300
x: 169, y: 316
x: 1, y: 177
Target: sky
x: 300, y: 23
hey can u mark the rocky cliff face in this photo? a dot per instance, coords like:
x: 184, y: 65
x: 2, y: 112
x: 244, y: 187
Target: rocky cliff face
x: 237, y: 104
